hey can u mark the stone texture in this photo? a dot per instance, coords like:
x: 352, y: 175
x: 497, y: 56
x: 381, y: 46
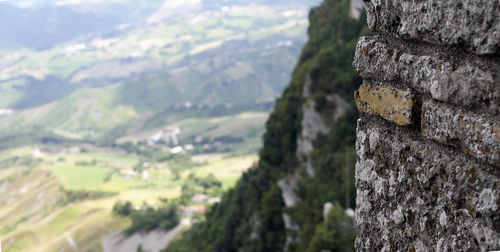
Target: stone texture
x: 477, y: 135
x: 390, y: 103
x: 429, y: 180
x: 464, y: 79
x: 415, y: 194
x: 312, y: 125
x: 470, y: 24
x: 356, y: 9
x: 289, y: 187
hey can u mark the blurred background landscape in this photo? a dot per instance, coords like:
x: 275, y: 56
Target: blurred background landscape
x: 115, y: 111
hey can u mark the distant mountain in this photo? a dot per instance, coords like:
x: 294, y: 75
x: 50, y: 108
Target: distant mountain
x: 43, y: 28
x: 134, y: 60
x: 240, y: 72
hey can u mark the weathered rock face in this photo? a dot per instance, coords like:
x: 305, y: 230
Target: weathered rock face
x: 428, y: 143
x: 470, y: 24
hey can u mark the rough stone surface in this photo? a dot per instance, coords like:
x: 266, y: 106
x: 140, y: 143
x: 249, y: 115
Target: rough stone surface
x: 390, y: 103
x: 356, y: 9
x: 414, y: 194
x: 428, y: 180
x: 312, y: 124
x: 477, y: 135
x: 289, y: 186
x: 470, y: 24
x: 463, y: 79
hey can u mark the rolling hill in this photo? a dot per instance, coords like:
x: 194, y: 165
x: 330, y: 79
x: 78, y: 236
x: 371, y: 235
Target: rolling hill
x: 91, y: 79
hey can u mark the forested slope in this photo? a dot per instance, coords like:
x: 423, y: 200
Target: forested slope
x: 308, y: 156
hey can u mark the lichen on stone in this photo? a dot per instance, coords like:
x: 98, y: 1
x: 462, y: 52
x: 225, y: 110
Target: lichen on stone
x: 390, y: 103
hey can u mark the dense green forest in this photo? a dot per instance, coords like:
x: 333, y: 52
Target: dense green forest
x: 250, y: 217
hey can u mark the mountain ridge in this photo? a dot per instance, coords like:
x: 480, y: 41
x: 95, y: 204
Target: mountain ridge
x: 307, y: 161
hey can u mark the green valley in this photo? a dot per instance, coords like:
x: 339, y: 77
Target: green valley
x: 51, y: 193
x: 105, y: 103
x: 207, y: 55
x: 201, y: 125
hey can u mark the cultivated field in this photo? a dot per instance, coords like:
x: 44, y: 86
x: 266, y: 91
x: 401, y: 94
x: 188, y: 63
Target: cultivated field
x: 54, y: 201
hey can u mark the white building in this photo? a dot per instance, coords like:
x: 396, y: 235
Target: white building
x: 168, y: 134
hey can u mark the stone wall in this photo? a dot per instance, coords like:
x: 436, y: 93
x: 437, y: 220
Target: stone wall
x: 428, y: 142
